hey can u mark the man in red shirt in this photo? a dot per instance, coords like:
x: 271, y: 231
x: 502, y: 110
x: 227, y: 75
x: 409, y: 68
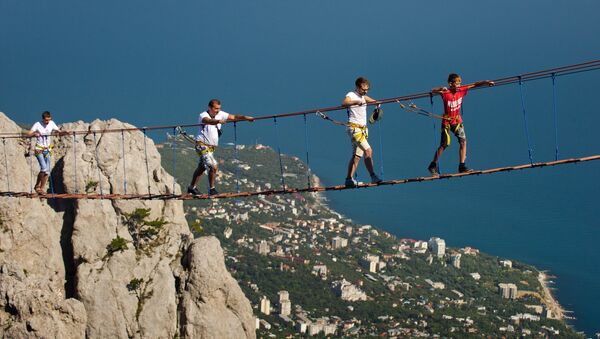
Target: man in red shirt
x: 452, y: 97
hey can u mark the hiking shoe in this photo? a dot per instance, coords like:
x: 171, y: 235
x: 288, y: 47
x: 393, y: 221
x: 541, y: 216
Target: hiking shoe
x: 433, y: 169
x: 193, y: 190
x: 350, y: 182
x: 213, y: 191
x: 462, y: 168
x: 375, y: 179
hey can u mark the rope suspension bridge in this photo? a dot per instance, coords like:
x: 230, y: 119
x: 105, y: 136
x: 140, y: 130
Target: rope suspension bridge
x: 404, y: 102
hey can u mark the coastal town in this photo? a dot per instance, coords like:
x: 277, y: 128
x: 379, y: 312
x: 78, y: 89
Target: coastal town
x: 310, y: 271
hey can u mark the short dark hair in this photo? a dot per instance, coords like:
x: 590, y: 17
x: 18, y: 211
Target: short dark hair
x: 452, y: 77
x: 46, y: 114
x: 360, y: 81
x: 214, y: 102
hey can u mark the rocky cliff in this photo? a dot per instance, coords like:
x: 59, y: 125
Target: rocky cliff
x: 107, y: 269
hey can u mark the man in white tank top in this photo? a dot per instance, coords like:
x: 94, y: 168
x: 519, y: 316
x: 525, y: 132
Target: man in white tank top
x: 356, y: 102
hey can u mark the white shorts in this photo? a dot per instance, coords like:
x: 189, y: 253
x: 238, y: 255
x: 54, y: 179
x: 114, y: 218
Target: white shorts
x: 359, y: 138
x: 207, y: 158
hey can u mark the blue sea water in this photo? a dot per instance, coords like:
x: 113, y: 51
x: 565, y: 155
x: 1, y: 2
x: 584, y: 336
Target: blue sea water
x: 153, y: 63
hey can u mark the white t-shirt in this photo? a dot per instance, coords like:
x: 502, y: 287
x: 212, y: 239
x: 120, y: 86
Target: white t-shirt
x: 357, y: 114
x: 44, y: 139
x: 209, y: 134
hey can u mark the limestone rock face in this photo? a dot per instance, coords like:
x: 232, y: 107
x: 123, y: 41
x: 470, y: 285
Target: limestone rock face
x: 33, y: 309
x: 102, y: 268
x: 212, y: 302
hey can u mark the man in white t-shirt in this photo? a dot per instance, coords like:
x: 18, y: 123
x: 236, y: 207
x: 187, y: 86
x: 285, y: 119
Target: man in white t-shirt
x: 43, y: 131
x: 356, y: 103
x: 207, y: 141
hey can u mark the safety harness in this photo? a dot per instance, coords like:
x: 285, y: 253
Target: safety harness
x: 359, y: 132
x: 201, y: 147
x: 44, y: 150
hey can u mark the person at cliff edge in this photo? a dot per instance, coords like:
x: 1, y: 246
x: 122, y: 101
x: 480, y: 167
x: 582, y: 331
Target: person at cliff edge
x: 43, y: 131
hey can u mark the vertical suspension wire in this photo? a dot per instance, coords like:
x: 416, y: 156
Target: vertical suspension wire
x: 380, y: 126
x: 434, y: 129
x: 146, y: 159
x: 235, y: 155
x: 525, y: 121
x: 174, y: 156
x: 308, y: 183
x: 97, y: 165
x: 436, y: 141
x: 555, y: 116
x: 75, y: 164
x: 50, y: 167
x: 279, y: 152
x: 124, y: 165
x: 6, y: 165
x: 30, y: 169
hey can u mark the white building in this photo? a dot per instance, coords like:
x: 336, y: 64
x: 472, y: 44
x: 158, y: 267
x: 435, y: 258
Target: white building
x: 420, y: 245
x: 265, y: 305
x: 227, y: 232
x: 320, y: 270
x: 437, y: 246
x: 476, y: 276
x: 314, y: 328
x: 370, y: 262
x: 338, y: 242
x: 285, y: 305
x: 455, y: 259
x: 347, y: 291
x: 263, y: 248
x: 506, y: 263
x: 508, y: 291
x: 436, y: 285
x: 329, y: 329
x: 301, y: 326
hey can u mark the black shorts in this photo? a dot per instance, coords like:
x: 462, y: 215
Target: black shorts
x: 458, y: 130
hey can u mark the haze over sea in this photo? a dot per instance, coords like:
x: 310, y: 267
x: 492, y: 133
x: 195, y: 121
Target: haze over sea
x: 157, y: 63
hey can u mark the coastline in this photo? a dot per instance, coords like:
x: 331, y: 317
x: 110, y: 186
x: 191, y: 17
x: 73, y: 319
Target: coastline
x: 548, y: 299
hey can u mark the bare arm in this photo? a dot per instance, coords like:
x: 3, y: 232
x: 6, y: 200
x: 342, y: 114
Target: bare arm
x: 238, y: 117
x: 437, y: 90
x: 59, y: 132
x: 369, y: 100
x: 31, y: 133
x: 349, y: 102
x: 481, y: 84
x: 211, y: 121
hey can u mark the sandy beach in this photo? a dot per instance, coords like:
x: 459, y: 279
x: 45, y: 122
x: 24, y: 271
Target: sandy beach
x: 548, y: 299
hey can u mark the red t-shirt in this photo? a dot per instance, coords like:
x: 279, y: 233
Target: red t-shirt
x: 452, y: 105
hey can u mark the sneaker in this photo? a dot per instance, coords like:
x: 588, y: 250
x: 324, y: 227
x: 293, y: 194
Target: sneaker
x: 193, y: 190
x: 213, y: 191
x: 350, y: 182
x: 462, y: 168
x: 433, y: 169
x: 375, y: 179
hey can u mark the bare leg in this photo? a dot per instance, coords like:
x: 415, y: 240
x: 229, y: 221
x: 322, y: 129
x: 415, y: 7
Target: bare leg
x: 369, y: 161
x: 438, y: 154
x: 38, y: 183
x: 352, y: 166
x: 197, y: 173
x: 462, y: 152
x: 212, y: 175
